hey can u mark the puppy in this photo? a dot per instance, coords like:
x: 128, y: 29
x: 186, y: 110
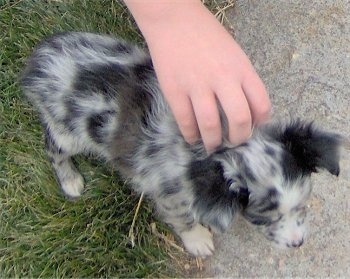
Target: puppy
x: 98, y: 94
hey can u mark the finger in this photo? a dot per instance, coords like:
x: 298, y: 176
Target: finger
x: 208, y: 119
x: 237, y: 111
x: 185, y: 117
x: 257, y: 97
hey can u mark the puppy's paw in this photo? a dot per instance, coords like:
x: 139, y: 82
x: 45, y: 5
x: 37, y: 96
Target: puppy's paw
x: 198, y: 241
x: 73, y: 187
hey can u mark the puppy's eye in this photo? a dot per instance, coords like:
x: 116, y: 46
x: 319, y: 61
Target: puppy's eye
x: 259, y: 220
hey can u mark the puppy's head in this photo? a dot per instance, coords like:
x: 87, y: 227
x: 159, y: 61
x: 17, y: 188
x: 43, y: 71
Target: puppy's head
x: 273, y: 171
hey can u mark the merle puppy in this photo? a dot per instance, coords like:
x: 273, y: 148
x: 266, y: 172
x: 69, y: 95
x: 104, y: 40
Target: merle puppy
x: 98, y: 94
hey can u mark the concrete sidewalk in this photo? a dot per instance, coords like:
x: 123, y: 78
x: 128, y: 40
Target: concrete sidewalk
x: 301, y: 49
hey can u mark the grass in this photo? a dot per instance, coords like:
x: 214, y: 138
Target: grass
x: 42, y: 234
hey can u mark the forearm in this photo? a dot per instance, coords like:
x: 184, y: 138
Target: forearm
x: 154, y: 16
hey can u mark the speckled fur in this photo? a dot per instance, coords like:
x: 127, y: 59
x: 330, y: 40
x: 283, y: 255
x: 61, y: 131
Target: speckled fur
x: 99, y: 95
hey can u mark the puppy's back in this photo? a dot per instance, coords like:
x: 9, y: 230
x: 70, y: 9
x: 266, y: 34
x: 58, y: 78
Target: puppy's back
x: 92, y: 89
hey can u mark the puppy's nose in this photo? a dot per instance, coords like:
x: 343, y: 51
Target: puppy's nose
x: 298, y: 243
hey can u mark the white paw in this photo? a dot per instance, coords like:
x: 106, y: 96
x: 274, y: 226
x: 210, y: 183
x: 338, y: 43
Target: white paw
x: 73, y: 187
x: 198, y: 241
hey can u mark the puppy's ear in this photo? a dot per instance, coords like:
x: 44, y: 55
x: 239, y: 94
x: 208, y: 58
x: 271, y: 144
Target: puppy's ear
x: 214, y: 202
x: 207, y: 177
x: 309, y: 148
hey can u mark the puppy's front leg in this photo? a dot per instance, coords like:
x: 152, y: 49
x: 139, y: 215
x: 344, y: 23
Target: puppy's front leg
x: 176, y: 210
x: 198, y: 241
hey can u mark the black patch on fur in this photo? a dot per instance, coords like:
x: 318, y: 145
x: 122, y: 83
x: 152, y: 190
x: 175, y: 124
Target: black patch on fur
x: 270, y: 151
x: 243, y: 197
x: 171, y: 187
x: 244, y: 168
x: 145, y: 70
x: 50, y: 143
x: 273, y: 170
x: 96, y: 124
x: 108, y: 79
x: 307, y: 149
x: 36, y: 73
x: 152, y: 149
x: 249, y: 174
x: 73, y: 112
x: 270, y: 201
x: 166, y: 207
x: 123, y: 48
x: 185, y: 203
x: 271, y: 235
x: 269, y: 206
x: 33, y: 72
x: 272, y: 193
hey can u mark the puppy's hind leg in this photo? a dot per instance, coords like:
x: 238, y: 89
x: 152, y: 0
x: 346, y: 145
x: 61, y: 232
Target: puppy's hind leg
x: 70, y: 180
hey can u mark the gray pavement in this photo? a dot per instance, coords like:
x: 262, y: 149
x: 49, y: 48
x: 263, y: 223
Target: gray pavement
x: 301, y: 49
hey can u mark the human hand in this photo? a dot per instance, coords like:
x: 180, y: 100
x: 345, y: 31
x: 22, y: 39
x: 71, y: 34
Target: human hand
x: 198, y: 64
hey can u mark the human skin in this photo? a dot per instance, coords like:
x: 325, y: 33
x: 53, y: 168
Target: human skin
x: 199, y: 64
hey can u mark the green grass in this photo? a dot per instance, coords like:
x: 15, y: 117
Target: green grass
x: 42, y: 234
